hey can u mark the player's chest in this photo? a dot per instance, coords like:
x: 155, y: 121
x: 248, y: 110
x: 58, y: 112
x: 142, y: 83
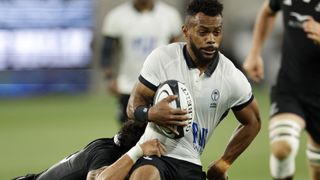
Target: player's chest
x: 209, y: 92
x: 297, y: 9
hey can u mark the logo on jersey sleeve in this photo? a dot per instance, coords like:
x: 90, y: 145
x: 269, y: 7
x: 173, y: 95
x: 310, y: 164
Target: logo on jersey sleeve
x: 215, y: 95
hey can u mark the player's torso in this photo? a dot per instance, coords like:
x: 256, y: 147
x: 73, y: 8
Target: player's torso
x: 300, y: 55
x: 210, y: 95
x: 140, y: 34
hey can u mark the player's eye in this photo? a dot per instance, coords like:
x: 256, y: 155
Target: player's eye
x: 217, y: 33
x: 202, y: 33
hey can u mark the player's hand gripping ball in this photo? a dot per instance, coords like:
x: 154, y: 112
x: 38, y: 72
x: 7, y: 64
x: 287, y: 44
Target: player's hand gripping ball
x: 183, y: 101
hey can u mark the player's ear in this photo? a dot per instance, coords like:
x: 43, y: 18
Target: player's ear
x: 185, y: 31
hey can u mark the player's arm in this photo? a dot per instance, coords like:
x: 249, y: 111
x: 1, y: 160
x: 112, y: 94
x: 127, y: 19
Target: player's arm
x: 248, y: 129
x: 107, y: 55
x: 161, y: 113
x: 253, y: 64
x: 119, y: 169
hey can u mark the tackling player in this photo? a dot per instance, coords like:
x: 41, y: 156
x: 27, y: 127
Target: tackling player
x: 103, y: 158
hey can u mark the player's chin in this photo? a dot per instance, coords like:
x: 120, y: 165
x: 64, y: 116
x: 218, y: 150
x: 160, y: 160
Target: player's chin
x: 207, y: 58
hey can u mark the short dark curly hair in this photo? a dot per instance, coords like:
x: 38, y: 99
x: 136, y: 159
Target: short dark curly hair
x: 208, y: 7
x: 130, y: 133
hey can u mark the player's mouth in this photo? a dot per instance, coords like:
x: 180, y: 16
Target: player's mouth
x: 209, y: 51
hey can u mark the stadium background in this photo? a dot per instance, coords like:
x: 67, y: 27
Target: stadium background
x: 40, y: 126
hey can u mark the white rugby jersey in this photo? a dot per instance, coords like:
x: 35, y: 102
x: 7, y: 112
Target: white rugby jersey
x: 220, y: 88
x: 139, y: 34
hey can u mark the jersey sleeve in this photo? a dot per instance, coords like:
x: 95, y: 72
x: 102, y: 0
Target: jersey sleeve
x: 104, y: 157
x: 275, y: 5
x: 111, y: 25
x: 241, y: 91
x: 151, y: 70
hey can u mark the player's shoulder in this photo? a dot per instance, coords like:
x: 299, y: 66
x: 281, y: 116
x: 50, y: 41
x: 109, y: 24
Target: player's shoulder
x: 225, y: 63
x: 171, y: 51
x: 165, y: 6
x: 120, y: 10
x: 229, y: 68
x: 102, y: 142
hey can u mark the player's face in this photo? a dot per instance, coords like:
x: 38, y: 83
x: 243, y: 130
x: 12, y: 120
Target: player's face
x: 204, y: 35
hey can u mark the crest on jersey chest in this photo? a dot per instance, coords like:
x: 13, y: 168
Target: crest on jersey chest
x: 215, y: 95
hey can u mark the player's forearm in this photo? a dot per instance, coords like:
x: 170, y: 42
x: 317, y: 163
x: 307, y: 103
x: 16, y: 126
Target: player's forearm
x: 263, y: 26
x: 249, y: 117
x: 240, y: 140
x: 107, y: 51
x: 135, y: 101
x: 118, y: 170
x: 140, y: 96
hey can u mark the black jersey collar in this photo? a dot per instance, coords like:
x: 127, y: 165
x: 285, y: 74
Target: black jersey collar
x: 212, y: 66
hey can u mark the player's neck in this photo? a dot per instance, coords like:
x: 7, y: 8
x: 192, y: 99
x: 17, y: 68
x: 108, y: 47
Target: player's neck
x: 143, y: 7
x: 200, y: 64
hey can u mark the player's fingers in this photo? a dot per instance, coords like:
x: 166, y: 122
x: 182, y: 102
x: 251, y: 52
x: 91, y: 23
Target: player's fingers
x: 256, y: 75
x: 251, y: 72
x: 309, y: 21
x: 259, y: 77
x: 174, y: 130
x: 170, y: 98
x: 247, y: 66
x: 154, y: 147
x: 179, y: 111
x: 254, y: 78
x: 158, y: 153
x: 162, y: 149
x: 261, y: 72
x: 178, y: 122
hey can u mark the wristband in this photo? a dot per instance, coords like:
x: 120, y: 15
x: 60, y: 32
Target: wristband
x: 141, y: 113
x: 135, y: 153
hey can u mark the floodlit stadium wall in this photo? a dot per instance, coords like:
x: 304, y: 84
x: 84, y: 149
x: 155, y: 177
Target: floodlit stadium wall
x: 45, y: 46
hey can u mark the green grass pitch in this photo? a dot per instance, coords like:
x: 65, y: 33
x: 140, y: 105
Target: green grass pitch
x: 37, y: 132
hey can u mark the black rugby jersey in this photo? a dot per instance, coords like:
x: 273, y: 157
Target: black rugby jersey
x: 300, y: 66
x: 98, y: 153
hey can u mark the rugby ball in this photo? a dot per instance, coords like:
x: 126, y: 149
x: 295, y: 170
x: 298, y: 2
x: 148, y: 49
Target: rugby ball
x: 183, y: 101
